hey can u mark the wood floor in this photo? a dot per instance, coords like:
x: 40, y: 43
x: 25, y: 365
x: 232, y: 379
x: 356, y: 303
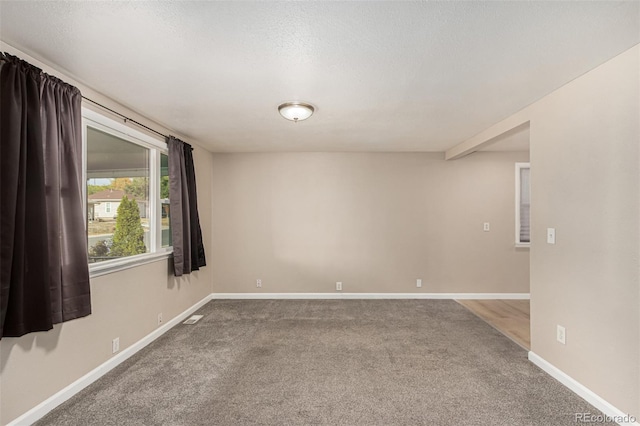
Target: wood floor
x: 510, y: 317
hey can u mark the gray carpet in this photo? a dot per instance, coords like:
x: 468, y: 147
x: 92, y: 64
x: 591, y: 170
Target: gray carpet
x: 327, y: 362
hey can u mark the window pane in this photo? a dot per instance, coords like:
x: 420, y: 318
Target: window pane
x: 525, y: 205
x: 117, y: 197
x: 164, y: 199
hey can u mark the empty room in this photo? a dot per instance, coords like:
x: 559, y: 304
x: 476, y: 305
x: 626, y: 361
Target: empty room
x: 320, y: 213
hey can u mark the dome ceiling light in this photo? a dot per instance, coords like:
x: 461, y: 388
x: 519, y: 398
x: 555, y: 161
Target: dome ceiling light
x: 296, y: 111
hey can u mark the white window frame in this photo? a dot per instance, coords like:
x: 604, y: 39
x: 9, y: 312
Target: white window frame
x: 156, y: 147
x: 519, y: 167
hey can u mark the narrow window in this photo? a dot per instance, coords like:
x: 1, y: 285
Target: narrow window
x: 523, y: 204
x: 164, y: 200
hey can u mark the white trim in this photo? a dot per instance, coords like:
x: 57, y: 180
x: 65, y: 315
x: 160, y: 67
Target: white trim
x: 110, y: 266
x: 58, y: 398
x: 84, y: 177
x: 153, y: 209
x: 116, y: 128
x: 580, y: 390
x: 370, y: 296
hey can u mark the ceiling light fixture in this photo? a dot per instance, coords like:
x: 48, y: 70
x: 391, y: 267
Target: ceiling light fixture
x: 296, y: 111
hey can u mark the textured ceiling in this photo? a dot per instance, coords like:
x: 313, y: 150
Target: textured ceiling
x: 384, y: 76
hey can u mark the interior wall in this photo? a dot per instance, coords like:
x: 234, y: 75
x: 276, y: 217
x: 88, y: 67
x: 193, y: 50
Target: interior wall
x: 585, y: 183
x: 300, y: 222
x: 585, y: 160
x: 125, y: 304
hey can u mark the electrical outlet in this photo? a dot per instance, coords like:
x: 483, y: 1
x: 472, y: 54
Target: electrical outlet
x: 160, y: 318
x: 339, y: 286
x: 486, y: 227
x: 259, y: 283
x: 418, y: 283
x: 561, y: 334
x: 115, y: 345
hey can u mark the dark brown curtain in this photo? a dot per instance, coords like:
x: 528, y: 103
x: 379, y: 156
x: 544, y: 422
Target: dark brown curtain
x: 188, y: 248
x: 43, y: 251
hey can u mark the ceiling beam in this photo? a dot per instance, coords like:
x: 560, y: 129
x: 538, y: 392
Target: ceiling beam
x: 505, y: 128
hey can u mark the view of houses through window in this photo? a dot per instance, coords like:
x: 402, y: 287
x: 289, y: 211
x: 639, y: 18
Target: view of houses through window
x: 164, y: 199
x: 125, y: 217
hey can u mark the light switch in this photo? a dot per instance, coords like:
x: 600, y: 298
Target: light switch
x: 551, y: 235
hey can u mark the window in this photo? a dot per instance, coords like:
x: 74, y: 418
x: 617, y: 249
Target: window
x: 523, y: 204
x: 164, y: 199
x: 127, y: 195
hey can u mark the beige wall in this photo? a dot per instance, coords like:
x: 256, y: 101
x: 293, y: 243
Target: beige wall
x: 375, y: 221
x: 125, y: 305
x: 585, y: 160
x: 585, y: 183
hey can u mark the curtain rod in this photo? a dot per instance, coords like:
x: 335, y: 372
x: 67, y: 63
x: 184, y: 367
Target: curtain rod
x: 125, y: 117
x: 5, y: 55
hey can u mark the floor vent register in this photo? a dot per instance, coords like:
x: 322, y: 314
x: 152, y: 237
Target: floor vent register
x: 193, y: 319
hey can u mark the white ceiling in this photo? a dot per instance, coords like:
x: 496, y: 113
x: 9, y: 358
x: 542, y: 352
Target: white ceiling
x: 384, y: 76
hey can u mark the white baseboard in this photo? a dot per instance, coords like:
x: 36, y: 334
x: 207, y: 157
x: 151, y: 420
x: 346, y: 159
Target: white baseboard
x: 52, y: 402
x: 370, y: 295
x: 583, y: 392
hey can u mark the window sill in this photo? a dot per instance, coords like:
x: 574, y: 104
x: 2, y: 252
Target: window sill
x: 523, y: 245
x: 110, y: 266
